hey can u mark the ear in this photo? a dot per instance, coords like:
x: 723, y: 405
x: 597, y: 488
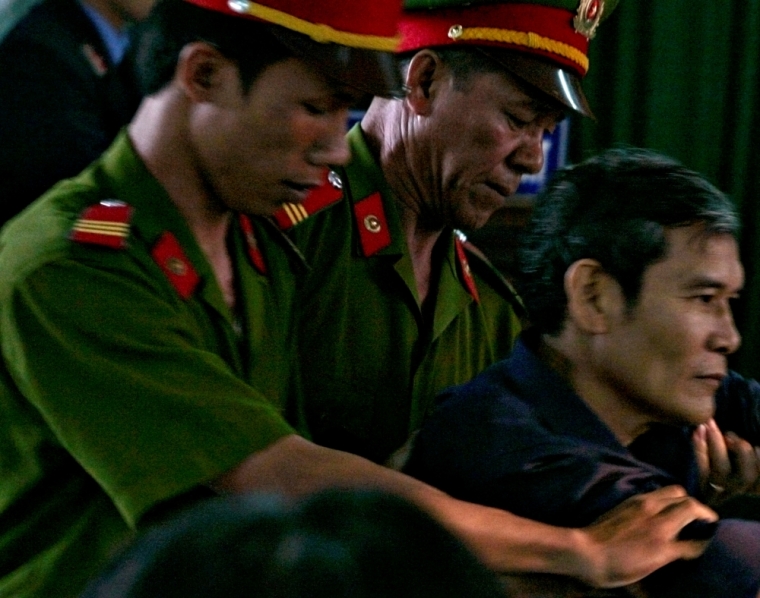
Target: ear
x: 594, y: 298
x: 426, y: 72
x: 202, y: 70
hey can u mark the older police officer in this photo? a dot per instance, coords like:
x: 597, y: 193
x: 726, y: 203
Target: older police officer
x: 398, y: 307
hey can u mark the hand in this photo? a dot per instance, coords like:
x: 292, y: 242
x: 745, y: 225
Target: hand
x: 728, y: 464
x: 641, y: 535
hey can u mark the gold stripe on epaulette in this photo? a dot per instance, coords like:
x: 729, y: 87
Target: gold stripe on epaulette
x: 103, y: 228
x: 296, y: 212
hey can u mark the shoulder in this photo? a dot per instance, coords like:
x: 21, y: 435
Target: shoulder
x: 325, y: 196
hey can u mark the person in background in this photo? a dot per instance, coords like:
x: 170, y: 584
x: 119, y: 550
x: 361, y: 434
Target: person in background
x: 398, y: 307
x: 628, y: 269
x: 335, y: 544
x: 66, y: 89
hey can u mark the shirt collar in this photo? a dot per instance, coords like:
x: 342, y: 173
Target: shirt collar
x: 560, y: 408
x: 115, y: 40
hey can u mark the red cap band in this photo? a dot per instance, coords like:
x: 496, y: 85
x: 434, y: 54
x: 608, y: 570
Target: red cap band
x: 541, y: 30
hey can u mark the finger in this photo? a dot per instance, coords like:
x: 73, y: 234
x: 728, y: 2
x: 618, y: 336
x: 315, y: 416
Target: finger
x: 699, y: 442
x: 720, y: 463
x: 745, y: 462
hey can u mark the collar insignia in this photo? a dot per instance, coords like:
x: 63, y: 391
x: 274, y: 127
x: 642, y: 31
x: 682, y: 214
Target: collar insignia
x: 170, y: 257
x: 254, y: 251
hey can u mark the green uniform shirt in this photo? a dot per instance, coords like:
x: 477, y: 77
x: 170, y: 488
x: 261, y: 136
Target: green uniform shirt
x: 119, y: 389
x: 372, y: 361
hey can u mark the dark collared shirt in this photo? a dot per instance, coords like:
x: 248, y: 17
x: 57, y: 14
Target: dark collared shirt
x: 517, y: 437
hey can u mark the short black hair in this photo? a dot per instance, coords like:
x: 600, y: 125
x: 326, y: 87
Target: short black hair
x: 464, y: 63
x: 172, y: 24
x: 614, y: 208
x: 335, y: 544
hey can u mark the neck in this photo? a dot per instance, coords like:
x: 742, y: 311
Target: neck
x: 388, y: 127
x: 159, y: 134
x: 571, y: 357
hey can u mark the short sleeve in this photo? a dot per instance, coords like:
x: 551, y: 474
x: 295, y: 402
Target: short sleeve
x: 131, y: 382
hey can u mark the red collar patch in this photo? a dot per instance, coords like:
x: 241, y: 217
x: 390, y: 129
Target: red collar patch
x: 170, y: 257
x: 330, y: 192
x: 105, y: 223
x: 464, y: 268
x: 372, y: 224
x: 254, y: 251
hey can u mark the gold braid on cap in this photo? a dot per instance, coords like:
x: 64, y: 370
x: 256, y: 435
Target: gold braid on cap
x: 520, y: 38
x: 318, y: 32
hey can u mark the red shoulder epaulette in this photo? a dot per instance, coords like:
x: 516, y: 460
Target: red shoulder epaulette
x: 105, y: 223
x: 170, y: 257
x: 323, y: 196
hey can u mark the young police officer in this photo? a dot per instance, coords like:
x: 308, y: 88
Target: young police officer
x: 144, y: 318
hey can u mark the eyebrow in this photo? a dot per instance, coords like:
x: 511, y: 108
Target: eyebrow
x: 705, y: 282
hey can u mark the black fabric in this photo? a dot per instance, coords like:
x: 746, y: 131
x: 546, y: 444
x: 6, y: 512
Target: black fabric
x: 59, y: 110
x: 518, y: 438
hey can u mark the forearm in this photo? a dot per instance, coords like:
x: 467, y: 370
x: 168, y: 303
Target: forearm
x: 627, y: 545
x: 504, y: 541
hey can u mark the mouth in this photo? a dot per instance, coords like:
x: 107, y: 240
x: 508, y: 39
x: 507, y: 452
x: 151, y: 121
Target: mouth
x: 504, y: 190
x: 716, y: 378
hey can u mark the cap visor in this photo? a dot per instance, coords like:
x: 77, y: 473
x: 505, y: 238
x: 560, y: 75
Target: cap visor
x: 561, y: 84
x: 370, y: 71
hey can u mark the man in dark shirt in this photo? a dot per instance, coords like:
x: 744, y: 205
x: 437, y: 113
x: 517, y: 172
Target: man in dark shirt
x: 628, y: 270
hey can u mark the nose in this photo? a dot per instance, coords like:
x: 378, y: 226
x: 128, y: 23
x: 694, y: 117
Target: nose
x: 726, y: 338
x: 528, y: 157
x: 331, y: 147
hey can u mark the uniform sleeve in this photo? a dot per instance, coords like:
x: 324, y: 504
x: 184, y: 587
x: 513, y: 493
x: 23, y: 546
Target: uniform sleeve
x: 484, y: 445
x: 131, y: 383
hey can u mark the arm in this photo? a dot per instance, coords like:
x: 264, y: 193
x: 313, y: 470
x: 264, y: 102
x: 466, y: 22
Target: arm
x: 150, y: 383
x: 624, y: 546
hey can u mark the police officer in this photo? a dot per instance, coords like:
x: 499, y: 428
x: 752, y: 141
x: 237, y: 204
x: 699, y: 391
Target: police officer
x: 398, y: 305
x: 144, y: 317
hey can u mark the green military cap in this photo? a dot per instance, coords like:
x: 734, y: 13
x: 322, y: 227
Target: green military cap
x: 544, y: 42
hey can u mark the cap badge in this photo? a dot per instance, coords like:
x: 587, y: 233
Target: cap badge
x: 588, y: 17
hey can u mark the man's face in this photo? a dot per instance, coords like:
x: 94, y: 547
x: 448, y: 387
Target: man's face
x: 482, y: 136
x: 260, y: 149
x: 666, y: 356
